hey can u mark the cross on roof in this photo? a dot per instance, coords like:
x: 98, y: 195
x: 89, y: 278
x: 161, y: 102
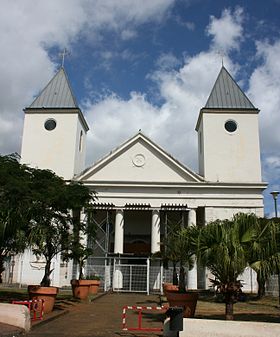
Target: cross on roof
x: 222, y: 54
x: 62, y: 55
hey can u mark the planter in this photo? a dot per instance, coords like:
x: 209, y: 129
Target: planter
x: 169, y: 287
x: 186, y: 300
x: 48, y: 294
x: 81, y: 288
x: 94, y: 286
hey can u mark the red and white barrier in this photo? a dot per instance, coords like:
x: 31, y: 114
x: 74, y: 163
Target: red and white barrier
x: 34, y: 306
x: 140, y: 310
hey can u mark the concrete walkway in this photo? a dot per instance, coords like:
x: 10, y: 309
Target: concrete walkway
x: 10, y: 331
x: 102, y: 318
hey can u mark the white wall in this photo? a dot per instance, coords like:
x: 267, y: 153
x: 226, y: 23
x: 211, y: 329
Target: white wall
x: 230, y: 157
x: 193, y: 327
x: 30, y: 270
x: 57, y: 149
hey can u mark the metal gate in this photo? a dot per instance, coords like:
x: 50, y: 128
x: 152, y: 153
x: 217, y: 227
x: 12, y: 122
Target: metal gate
x: 129, y: 274
x: 131, y: 277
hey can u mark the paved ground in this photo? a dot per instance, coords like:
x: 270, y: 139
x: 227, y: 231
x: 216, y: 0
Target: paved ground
x: 10, y: 331
x: 101, y: 318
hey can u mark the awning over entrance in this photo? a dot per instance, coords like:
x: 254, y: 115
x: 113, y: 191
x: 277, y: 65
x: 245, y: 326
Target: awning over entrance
x: 103, y: 206
x: 137, y: 206
x: 174, y: 207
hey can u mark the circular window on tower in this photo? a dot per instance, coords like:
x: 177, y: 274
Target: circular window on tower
x: 230, y: 126
x: 50, y: 124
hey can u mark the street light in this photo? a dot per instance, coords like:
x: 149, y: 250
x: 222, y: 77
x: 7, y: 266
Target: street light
x: 275, y: 196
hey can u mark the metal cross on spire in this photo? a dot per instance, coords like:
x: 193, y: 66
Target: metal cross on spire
x: 222, y: 54
x: 64, y: 53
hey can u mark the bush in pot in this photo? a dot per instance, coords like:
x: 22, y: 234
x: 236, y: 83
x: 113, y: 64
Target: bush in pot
x: 49, y: 229
x: 78, y: 250
x: 180, y: 249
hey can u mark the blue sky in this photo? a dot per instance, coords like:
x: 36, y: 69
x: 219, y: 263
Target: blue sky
x: 143, y: 64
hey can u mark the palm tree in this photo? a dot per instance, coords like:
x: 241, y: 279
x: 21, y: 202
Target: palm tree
x: 263, y: 250
x: 179, y: 248
x: 220, y: 248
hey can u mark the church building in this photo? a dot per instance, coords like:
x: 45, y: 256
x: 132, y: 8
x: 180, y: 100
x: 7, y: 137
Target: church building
x: 141, y: 189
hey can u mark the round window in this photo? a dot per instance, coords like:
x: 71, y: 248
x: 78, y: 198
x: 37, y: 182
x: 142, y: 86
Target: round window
x: 230, y: 126
x: 50, y: 124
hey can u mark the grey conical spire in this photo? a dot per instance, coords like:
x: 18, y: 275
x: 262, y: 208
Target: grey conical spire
x: 57, y: 93
x: 226, y: 94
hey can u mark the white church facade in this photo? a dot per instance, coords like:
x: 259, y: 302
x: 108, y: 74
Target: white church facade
x: 141, y: 189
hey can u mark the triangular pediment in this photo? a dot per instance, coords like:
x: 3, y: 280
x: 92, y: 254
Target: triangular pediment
x: 56, y: 94
x: 226, y: 94
x: 139, y: 160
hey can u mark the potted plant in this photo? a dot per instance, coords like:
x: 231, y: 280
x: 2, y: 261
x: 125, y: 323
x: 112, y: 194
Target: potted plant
x: 78, y: 249
x: 94, y: 283
x: 222, y: 247
x: 79, y: 253
x: 49, y: 229
x: 180, y: 249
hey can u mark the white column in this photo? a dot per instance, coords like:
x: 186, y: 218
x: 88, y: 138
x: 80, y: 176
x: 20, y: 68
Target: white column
x: 119, y: 232
x: 155, y: 232
x: 192, y: 274
x: 192, y: 217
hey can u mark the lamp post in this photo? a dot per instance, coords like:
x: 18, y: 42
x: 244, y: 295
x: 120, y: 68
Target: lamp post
x: 275, y: 196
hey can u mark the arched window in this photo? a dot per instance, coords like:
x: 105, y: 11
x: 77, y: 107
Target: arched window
x: 81, y: 141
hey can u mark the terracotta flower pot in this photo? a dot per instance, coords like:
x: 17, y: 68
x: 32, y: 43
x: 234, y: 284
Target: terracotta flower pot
x: 48, y: 294
x: 80, y: 288
x: 169, y: 287
x: 94, y: 286
x: 186, y: 300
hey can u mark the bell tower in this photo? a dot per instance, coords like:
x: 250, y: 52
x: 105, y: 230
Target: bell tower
x: 54, y: 132
x: 228, y: 135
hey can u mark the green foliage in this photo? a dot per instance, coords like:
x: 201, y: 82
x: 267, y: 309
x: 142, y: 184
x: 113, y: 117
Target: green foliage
x: 93, y: 277
x: 79, y: 197
x: 179, y: 248
x: 227, y: 247
x: 263, y: 250
x: 220, y: 248
x: 35, y: 210
x: 15, y: 203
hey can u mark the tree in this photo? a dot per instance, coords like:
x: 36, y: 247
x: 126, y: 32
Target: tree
x: 50, y: 223
x: 220, y: 247
x: 262, y: 248
x: 179, y: 248
x: 15, y: 203
x: 80, y: 199
x: 35, y: 211
x: 54, y: 214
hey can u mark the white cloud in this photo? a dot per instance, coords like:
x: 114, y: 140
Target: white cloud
x: 227, y: 31
x: 264, y: 90
x: 171, y: 125
x: 28, y: 30
x: 167, y: 61
x: 128, y: 34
